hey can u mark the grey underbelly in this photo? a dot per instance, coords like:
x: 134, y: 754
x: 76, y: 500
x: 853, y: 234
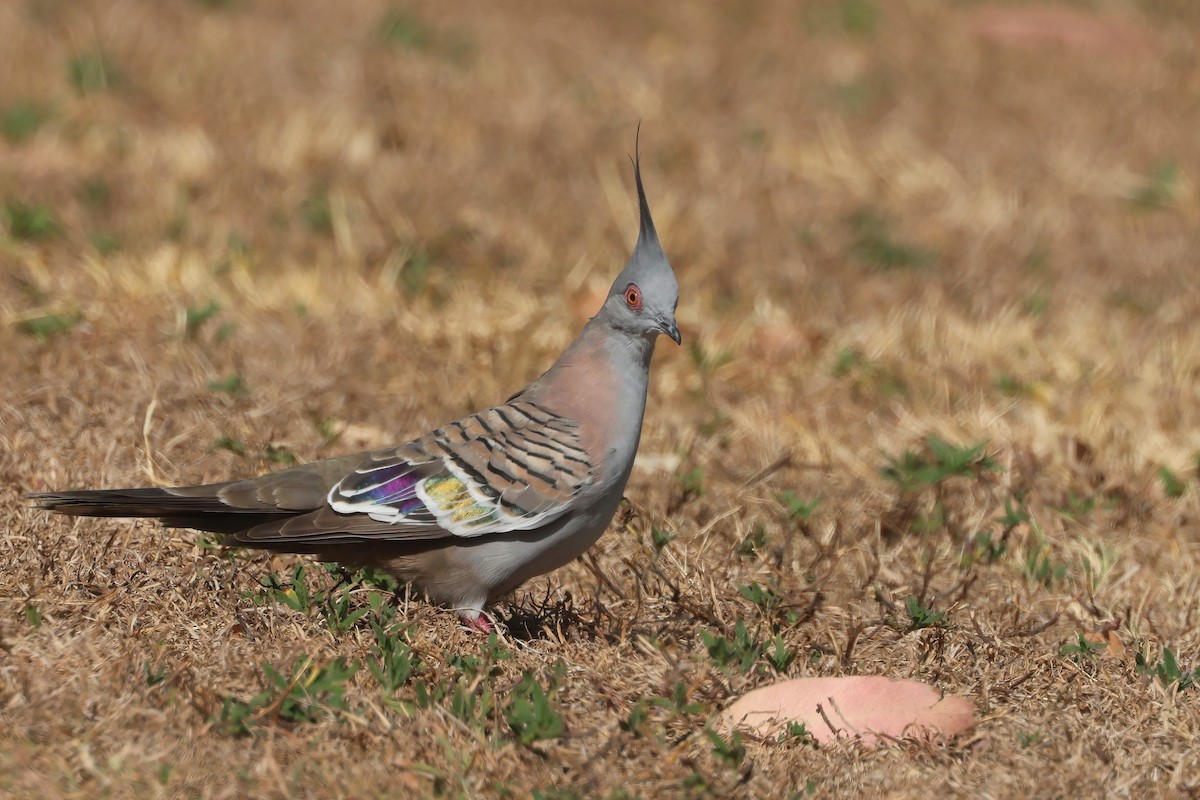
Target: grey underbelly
x: 507, y: 562
x: 468, y: 572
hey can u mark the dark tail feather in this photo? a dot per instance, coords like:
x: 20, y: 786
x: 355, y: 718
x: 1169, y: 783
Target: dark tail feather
x: 204, y: 513
x: 125, y: 503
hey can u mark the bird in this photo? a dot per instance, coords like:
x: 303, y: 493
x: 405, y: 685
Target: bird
x: 468, y: 512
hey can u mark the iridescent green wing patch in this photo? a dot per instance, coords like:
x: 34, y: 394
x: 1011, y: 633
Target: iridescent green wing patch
x: 449, y: 495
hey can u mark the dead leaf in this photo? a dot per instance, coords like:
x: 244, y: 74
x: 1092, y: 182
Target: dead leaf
x: 869, y: 708
x: 1113, y: 647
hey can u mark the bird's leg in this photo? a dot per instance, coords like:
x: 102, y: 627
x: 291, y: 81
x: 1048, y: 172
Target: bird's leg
x: 476, y: 621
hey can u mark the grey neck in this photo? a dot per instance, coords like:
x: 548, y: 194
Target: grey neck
x: 631, y: 364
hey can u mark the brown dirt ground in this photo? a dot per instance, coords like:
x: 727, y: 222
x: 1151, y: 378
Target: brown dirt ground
x: 890, y: 220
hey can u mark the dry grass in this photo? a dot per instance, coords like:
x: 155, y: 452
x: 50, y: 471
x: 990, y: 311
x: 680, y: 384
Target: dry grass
x: 889, y: 220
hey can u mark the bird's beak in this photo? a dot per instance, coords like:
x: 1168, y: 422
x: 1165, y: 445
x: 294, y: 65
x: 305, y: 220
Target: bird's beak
x: 669, y: 327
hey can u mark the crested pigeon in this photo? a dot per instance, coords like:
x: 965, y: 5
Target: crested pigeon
x: 471, y: 510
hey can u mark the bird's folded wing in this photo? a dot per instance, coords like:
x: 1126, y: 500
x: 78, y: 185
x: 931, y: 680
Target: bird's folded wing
x: 514, y: 467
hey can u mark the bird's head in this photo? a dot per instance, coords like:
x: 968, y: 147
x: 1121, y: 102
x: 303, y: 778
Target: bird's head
x: 643, y: 298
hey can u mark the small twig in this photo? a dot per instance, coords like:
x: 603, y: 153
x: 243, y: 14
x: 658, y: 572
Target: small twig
x: 147, y: 423
x: 853, y: 631
x: 925, y: 579
x: 883, y: 600
x: 767, y: 471
x: 821, y: 710
x: 657, y: 571
x: 1015, y: 682
x: 964, y: 586
x: 987, y: 637
x: 1036, y: 629
x: 810, y: 610
x: 272, y: 709
x: 589, y: 561
x: 701, y: 613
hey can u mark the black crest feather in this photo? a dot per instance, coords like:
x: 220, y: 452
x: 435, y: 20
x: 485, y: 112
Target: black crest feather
x: 646, y: 233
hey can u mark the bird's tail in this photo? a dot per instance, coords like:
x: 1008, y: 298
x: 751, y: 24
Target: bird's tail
x: 201, y: 511
x: 151, y: 502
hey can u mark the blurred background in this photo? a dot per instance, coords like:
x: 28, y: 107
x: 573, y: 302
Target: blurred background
x: 1008, y: 152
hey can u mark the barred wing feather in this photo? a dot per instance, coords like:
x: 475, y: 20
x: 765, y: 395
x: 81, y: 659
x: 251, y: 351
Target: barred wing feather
x: 513, y: 467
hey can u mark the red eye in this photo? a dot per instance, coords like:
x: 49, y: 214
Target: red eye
x: 633, y: 297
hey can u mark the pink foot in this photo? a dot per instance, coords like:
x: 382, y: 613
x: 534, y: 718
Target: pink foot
x: 477, y: 623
